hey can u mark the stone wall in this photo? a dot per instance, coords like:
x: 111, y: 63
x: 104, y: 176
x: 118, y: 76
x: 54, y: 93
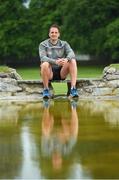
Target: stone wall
x: 13, y: 87
x: 107, y: 85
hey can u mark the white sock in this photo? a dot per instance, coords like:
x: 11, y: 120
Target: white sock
x: 73, y: 87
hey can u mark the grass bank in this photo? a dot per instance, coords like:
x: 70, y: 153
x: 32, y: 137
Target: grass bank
x: 83, y: 72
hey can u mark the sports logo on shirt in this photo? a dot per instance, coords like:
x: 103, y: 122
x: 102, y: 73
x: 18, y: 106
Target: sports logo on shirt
x: 49, y: 52
x: 60, y: 52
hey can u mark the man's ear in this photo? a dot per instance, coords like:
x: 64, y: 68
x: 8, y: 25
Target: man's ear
x: 49, y: 34
x: 59, y: 34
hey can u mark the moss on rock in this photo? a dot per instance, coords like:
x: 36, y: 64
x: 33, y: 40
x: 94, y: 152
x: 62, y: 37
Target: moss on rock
x: 115, y: 66
x: 5, y: 69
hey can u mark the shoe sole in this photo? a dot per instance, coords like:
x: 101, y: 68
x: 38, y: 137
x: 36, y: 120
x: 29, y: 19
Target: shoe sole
x: 73, y: 97
x: 46, y: 102
x: 46, y: 97
x: 76, y: 96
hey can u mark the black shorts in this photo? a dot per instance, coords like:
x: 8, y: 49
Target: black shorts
x: 56, y: 73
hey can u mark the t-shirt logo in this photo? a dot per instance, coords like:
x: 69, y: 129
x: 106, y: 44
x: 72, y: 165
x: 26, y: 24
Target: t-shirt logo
x: 60, y: 52
x: 49, y: 52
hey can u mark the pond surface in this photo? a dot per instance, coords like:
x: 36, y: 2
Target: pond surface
x: 59, y: 139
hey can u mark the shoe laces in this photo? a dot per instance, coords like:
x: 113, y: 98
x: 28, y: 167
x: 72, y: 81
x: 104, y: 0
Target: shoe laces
x: 74, y: 90
x: 46, y: 91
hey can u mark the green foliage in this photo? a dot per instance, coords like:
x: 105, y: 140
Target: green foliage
x: 87, y: 24
x: 112, y: 38
x: 90, y: 26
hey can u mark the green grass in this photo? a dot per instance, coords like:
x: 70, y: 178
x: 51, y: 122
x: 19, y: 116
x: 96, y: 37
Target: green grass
x: 90, y: 71
x: 61, y: 88
x: 83, y: 72
x: 4, y: 69
x: 29, y: 73
x: 115, y: 66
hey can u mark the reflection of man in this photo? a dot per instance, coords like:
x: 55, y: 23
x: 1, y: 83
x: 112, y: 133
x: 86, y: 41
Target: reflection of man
x: 59, y: 133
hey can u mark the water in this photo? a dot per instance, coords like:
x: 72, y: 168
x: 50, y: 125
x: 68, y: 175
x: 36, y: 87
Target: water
x: 59, y: 139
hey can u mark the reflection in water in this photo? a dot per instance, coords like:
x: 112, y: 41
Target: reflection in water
x: 9, y: 113
x: 99, y: 145
x: 59, y: 140
x: 29, y: 168
x: 10, y: 145
x: 108, y: 109
x: 59, y: 132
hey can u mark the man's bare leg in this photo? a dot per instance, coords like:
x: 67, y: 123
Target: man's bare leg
x: 70, y: 68
x: 73, y: 72
x: 46, y: 73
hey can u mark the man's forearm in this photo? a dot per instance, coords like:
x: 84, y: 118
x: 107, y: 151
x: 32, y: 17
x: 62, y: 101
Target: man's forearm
x: 47, y: 59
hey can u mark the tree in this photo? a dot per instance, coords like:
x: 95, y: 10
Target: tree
x: 13, y: 29
x: 90, y: 26
x: 112, y: 39
x: 86, y: 23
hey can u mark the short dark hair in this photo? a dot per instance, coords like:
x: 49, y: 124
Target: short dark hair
x: 54, y: 26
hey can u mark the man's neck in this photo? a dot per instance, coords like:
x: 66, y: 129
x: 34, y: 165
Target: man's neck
x: 54, y: 42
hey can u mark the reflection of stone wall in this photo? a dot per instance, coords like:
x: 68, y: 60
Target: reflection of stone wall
x: 13, y: 87
x: 10, y: 142
x: 109, y: 110
x: 10, y: 153
x: 13, y: 116
x: 8, y: 113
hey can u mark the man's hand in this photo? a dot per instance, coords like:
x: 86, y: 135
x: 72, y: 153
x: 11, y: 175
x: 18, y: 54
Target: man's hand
x: 61, y: 61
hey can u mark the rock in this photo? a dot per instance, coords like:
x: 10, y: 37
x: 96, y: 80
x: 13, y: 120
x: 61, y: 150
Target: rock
x: 14, y: 74
x: 3, y: 75
x: 113, y: 83
x: 10, y: 74
x: 109, y: 77
x: 9, y: 85
x: 102, y: 91
x: 108, y: 71
x: 111, y: 70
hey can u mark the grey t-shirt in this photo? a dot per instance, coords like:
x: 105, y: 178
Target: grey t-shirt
x: 50, y: 53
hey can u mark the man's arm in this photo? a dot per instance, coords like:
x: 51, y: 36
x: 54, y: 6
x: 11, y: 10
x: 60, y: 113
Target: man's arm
x: 69, y: 52
x: 43, y: 55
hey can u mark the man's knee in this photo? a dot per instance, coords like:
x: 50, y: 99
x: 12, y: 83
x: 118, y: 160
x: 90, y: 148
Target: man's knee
x: 45, y: 66
x: 73, y: 62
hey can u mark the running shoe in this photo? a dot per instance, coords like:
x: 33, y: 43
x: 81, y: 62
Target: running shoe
x: 74, y: 93
x: 46, y: 94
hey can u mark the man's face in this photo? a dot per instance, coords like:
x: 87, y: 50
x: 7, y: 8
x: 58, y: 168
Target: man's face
x: 54, y: 34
